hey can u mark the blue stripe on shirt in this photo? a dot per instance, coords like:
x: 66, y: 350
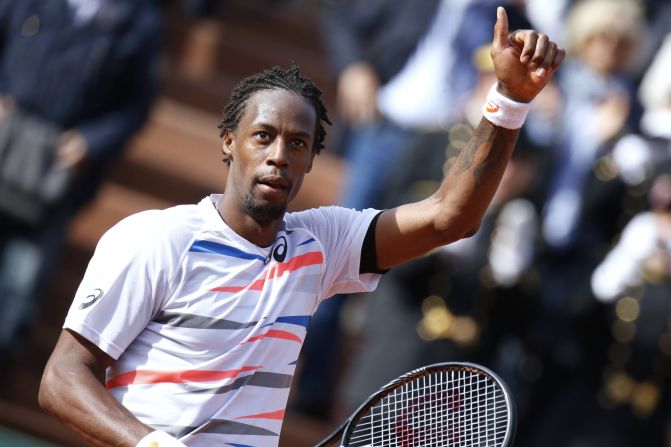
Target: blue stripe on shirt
x: 221, y: 249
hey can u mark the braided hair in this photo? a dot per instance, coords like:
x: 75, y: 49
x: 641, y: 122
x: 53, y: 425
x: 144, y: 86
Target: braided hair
x: 276, y: 78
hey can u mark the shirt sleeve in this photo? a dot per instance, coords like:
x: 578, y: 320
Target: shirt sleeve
x: 124, y: 285
x: 341, y: 232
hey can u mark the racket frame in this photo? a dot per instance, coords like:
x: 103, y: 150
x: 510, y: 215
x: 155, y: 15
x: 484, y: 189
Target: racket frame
x: 340, y: 435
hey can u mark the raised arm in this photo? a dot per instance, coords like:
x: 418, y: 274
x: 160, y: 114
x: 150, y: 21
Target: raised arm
x: 524, y: 62
x: 73, y: 391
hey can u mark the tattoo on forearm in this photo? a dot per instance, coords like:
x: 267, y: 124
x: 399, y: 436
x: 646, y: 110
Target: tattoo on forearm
x: 467, y: 157
x: 491, y: 142
x: 493, y: 164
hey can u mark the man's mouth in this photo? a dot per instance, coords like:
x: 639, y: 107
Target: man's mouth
x: 274, y: 182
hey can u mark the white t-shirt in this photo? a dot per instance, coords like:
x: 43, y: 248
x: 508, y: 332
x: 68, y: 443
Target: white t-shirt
x: 206, y: 327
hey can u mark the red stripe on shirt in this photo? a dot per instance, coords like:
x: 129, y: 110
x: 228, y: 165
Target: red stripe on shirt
x: 256, y: 285
x: 279, y: 415
x: 304, y: 260
x: 197, y: 375
x: 275, y: 333
x: 295, y: 263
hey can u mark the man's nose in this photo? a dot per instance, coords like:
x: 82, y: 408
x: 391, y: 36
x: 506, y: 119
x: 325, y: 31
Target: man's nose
x: 278, y: 153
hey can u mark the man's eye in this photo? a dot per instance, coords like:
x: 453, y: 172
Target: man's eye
x: 299, y: 144
x: 262, y: 135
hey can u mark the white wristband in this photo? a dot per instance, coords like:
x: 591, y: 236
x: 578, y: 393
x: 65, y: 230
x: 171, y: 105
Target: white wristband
x: 503, y: 111
x: 159, y: 439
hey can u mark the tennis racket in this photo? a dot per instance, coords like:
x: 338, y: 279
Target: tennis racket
x: 446, y: 404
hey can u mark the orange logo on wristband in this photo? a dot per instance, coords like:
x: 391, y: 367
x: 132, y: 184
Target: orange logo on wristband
x: 491, y: 107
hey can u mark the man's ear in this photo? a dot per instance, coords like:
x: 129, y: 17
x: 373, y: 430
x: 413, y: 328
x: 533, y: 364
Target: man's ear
x: 227, y: 146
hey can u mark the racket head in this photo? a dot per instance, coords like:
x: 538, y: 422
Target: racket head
x: 444, y: 404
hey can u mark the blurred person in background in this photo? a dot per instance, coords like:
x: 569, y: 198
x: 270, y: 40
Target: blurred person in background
x: 587, y: 205
x: 598, y: 83
x: 77, y: 78
x: 637, y: 155
x: 634, y: 279
x: 655, y: 94
x: 645, y: 239
x: 658, y: 13
x: 634, y: 282
x: 402, y: 69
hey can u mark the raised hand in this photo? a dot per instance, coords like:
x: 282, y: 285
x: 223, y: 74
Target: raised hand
x: 524, y: 60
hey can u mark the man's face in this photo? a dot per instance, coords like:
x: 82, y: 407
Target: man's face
x: 606, y: 52
x: 271, y: 151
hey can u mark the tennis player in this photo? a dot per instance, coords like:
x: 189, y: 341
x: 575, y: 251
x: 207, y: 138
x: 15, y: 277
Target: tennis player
x: 196, y: 314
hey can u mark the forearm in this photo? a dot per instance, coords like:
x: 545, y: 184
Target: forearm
x: 455, y: 210
x: 470, y: 184
x: 84, y: 405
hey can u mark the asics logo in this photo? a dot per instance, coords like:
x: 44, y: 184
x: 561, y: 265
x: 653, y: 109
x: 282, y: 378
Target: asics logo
x: 280, y: 249
x: 91, y: 298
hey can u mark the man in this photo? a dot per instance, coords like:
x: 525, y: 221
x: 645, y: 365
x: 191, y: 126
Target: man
x: 198, y: 312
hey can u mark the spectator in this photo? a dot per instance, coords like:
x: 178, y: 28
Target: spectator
x: 76, y: 78
x: 598, y: 81
x: 635, y: 282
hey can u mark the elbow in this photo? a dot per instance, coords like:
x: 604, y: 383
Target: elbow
x: 453, y: 221
x: 48, y: 392
x: 472, y: 230
x: 454, y: 229
x: 44, y: 393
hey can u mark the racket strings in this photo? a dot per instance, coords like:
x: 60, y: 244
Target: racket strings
x: 444, y: 408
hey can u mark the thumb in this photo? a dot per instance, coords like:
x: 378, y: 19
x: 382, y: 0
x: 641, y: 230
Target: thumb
x: 501, y: 29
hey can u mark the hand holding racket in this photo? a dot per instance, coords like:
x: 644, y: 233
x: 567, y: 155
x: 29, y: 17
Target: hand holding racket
x: 441, y: 405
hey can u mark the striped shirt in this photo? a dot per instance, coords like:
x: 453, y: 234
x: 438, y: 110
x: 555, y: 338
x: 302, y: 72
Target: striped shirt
x: 206, y: 327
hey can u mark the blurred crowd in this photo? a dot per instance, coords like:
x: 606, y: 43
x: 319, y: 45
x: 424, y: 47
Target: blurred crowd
x: 565, y: 290
x: 77, y: 79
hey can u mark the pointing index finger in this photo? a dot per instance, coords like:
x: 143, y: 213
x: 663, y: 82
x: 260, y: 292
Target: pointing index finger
x: 501, y: 28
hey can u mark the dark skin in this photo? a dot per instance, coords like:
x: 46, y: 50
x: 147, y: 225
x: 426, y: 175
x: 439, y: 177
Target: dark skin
x: 271, y: 152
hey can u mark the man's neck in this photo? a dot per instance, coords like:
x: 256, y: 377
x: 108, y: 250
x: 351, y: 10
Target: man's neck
x: 261, y: 234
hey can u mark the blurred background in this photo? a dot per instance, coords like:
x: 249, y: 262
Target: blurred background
x: 565, y: 290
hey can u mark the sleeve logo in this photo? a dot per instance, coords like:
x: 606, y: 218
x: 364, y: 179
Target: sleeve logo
x: 91, y: 298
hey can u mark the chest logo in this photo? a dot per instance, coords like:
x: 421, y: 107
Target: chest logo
x: 280, y: 249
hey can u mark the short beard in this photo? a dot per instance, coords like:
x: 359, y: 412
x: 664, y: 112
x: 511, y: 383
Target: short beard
x: 262, y: 214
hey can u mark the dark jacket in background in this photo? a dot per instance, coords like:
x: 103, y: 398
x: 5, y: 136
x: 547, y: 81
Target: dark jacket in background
x: 98, y: 77
x: 381, y: 32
